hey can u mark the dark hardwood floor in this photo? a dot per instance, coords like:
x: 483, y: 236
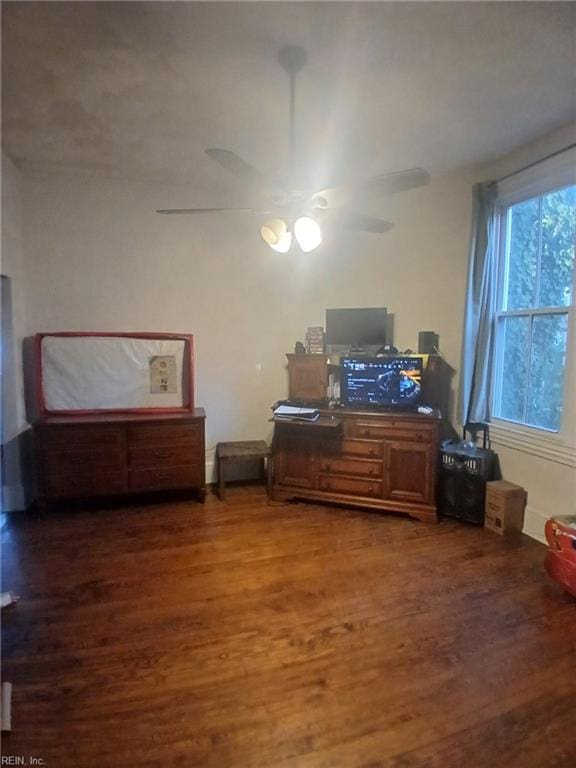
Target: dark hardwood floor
x: 241, y: 634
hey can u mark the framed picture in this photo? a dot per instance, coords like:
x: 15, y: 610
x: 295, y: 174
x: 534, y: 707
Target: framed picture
x: 83, y: 373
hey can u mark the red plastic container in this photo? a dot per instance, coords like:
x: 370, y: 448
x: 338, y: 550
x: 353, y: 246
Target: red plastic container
x: 561, y: 557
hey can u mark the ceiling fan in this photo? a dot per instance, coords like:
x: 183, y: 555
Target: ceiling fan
x: 301, y: 211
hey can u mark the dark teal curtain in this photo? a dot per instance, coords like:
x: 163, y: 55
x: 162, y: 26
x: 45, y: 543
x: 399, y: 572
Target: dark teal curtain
x: 479, y: 329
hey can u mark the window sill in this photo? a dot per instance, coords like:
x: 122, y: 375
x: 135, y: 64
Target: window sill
x: 552, y: 448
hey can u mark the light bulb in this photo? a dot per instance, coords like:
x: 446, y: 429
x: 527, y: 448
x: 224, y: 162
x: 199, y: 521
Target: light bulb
x: 308, y: 233
x: 273, y: 231
x: 283, y: 245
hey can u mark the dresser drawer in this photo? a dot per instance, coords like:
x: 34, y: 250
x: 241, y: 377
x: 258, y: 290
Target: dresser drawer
x: 367, y: 448
x: 167, y: 477
x: 165, y: 434
x: 351, y: 486
x: 85, y: 482
x: 370, y: 430
x: 60, y: 462
x: 356, y: 467
x: 80, y: 436
x: 164, y: 456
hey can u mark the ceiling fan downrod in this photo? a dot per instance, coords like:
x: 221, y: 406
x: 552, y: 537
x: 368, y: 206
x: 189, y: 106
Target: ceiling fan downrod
x: 292, y: 59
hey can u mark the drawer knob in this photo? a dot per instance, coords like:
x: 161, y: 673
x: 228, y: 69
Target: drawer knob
x: 162, y: 454
x: 371, y: 451
x: 371, y: 471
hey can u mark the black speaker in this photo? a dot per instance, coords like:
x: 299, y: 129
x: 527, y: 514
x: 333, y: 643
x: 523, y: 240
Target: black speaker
x: 464, y: 473
x: 427, y: 342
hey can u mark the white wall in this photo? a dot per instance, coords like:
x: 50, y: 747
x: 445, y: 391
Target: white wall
x: 100, y: 258
x: 549, y: 476
x: 14, y: 424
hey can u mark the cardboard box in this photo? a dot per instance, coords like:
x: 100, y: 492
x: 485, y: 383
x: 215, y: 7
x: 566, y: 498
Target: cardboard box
x: 504, y: 508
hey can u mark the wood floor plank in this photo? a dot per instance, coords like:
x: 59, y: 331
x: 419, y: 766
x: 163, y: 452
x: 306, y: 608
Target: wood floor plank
x: 242, y: 635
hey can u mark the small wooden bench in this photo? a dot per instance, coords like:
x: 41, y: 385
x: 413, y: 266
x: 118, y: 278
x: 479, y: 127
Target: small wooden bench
x: 242, y: 451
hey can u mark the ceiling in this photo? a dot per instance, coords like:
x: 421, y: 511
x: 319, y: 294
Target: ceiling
x: 141, y: 88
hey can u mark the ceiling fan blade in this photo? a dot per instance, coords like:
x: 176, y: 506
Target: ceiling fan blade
x: 210, y: 210
x: 390, y: 183
x: 340, y: 217
x: 233, y: 163
x: 377, y: 186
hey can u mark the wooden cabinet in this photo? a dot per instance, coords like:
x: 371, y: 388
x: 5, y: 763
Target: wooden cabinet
x: 99, y: 455
x: 307, y: 378
x: 293, y: 465
x: 409, y: 471
x: 385, y: 461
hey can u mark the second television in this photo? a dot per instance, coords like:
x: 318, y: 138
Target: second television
x: 356, y: 328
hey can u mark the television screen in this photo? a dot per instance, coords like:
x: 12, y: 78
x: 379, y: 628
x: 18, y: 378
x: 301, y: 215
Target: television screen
x: 356, y: 327
x: 388, y: 382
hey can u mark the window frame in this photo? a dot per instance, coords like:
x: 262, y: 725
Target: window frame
x: 555, y: 174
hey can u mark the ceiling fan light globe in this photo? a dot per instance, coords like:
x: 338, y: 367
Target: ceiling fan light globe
x: 273, y: 231
x: 308, y: 233
x: 283, y: 245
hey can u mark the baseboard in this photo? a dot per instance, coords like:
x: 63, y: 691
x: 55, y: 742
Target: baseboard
x: 14, y: 498
x: 534, y: 522
x: 211, y: 471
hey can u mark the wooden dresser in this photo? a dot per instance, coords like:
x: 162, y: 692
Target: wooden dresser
x: 111, y: 454
x: 385, y: 461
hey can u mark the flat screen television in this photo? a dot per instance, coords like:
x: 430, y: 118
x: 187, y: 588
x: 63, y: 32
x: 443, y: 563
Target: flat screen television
x: 365, y: 326
x: 381, y: 382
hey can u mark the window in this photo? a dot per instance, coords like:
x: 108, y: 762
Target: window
x: 536, y: 290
